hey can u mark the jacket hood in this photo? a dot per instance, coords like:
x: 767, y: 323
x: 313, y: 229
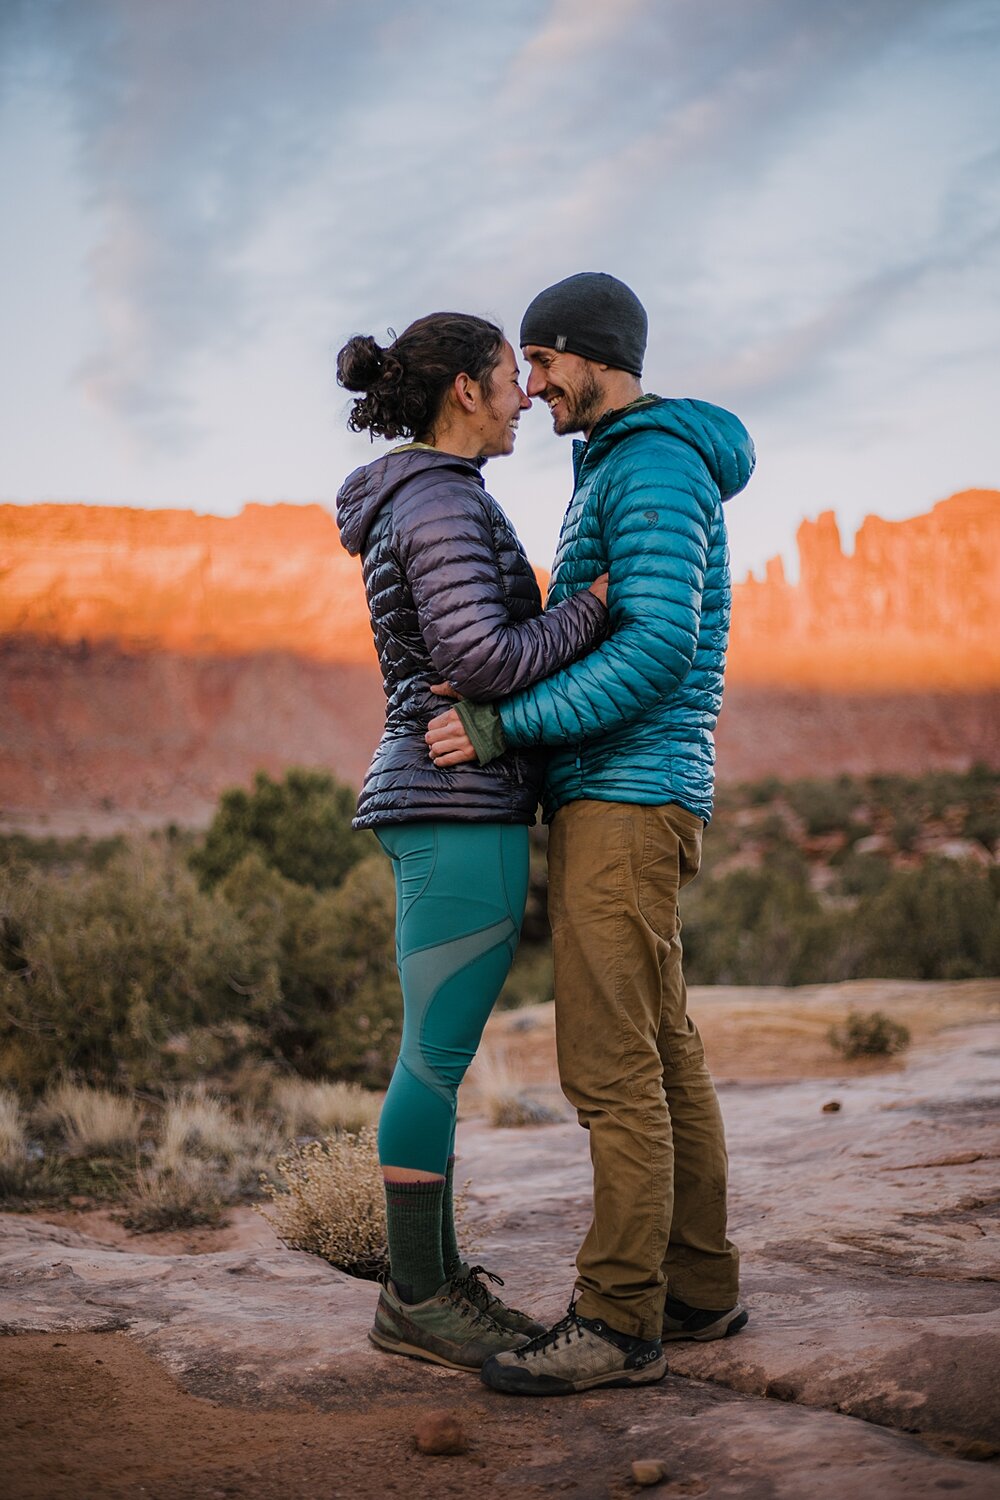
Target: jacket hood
x: 717, y: 436
x: 363, y: 493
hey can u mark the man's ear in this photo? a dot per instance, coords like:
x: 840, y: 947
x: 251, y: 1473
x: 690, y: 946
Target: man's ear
x: 466, y: 392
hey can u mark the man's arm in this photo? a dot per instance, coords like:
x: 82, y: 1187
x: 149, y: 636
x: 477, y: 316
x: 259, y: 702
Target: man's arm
x: 656, y: 518
x: 446, y: 548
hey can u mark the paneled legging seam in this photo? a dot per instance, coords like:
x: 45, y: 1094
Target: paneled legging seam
x: 461, y: 890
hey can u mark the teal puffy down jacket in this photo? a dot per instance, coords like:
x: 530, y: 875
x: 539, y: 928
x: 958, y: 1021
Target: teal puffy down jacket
x: 633, y: 721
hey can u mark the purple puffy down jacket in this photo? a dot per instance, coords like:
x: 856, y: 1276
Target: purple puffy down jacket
x: 452, y: 599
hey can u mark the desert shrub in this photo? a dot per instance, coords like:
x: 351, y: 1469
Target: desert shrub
x: 99, y: 968
x: 200, y: 1125
x: 873, y: 1035
x: 90, y: 1121
x: 188, y: 1193
x: 760, y: 793
x: 938, y: 922
x: 315, y: 1108
x: 236, y: 1143
x: 327, y: 1198
x: 15, y: 1160
x: 863, y: 874
x: 506, y: 1099
x: 906, y: 829
x: 333, y: 957
x: 59, y: 854
x: 756, y: 927
x: 824, y: 806
x: 300, y: 826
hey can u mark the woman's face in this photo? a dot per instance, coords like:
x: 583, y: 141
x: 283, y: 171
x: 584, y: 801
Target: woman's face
x: 502, y: 408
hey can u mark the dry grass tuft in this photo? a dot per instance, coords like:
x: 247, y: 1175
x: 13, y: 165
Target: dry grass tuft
x: 186, y: 1193
x: 330, y: 1201
x: 321, y: 1108
x: 201, y: 1125
x: 503, y: 1096
x: 92, y: 1122
x: 15, y: 1162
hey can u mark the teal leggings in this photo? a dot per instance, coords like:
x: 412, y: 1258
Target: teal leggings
x: 460, y: 894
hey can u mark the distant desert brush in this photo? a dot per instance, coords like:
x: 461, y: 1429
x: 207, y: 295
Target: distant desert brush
x: 91, y: 1122
x: 15, y: 1163
x: 198, y: 1127
x: 181, y: 1195
x: 199, y: 1124
x: 329, y: 1200
x: 504, y: 1098
x: 321, y: 1108
x: 872, y: 1035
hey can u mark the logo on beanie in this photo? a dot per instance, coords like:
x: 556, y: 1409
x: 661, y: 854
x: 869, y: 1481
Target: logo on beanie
x: 560, y: 343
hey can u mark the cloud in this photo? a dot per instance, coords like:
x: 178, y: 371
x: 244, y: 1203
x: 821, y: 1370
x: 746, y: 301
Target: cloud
x: 252, y: 166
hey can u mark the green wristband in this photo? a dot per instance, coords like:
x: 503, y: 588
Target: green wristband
x: 481, y: 722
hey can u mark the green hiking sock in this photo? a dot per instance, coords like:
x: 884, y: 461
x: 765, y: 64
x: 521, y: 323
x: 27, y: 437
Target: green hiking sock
x: 413, y: 1222
x: 450, y: 1253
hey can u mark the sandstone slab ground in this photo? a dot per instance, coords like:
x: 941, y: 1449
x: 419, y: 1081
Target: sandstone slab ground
x: 871, y: 1363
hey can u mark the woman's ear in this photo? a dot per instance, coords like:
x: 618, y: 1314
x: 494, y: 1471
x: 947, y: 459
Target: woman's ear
x: 466, y: 392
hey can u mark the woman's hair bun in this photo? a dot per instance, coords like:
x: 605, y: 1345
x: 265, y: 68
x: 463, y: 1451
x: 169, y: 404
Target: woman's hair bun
x: 359, y: 363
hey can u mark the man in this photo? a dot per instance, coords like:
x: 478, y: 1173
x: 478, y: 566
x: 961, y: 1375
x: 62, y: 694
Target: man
x: 628, y: 791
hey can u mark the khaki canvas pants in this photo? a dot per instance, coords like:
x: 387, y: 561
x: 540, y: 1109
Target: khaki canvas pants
x: 632, y: 1064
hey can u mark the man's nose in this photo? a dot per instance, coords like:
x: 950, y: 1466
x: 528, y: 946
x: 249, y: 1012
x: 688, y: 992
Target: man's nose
x: 536, y: 383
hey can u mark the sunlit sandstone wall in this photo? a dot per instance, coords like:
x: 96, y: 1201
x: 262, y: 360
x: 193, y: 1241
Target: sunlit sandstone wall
x: 911, y: 610
x: 273, y: 578
x: 914, y: 608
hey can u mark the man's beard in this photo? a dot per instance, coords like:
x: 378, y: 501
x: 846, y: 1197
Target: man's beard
x: 582, y: 408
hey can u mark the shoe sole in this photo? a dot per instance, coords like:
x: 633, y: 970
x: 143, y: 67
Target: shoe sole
x: 517, y: 1382
x: 723, y: 1329
x: 413, y: 1351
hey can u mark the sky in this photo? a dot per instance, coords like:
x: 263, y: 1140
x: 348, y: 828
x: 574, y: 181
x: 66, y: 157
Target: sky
x: 203, y: 199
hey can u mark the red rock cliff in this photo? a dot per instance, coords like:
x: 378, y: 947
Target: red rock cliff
x: 273, y: 578
x: 913, y: 609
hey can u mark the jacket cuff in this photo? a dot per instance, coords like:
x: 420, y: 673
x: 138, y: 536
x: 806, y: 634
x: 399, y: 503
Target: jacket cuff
x: 481, y: 722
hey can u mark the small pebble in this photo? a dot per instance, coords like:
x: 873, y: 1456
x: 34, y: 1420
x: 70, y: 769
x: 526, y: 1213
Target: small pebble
x: 831, y: 1106
x: 440, y: 1432
x: 647, y: 1471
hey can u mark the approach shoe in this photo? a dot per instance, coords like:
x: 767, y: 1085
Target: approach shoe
x: 703, y: 1324
x: 470, y: 1280
x: 446, y: 1329
x: 576, y: 1354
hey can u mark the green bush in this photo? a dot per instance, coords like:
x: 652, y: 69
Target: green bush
x: 755, y: 927
x: 873, y: 1035
x: 938, y: 922
x: 101, y: 969
x: 300, y: 826
x: 825, y: 806
x: 331, y: 955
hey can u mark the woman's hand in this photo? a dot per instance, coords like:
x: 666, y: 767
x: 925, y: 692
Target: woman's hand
x: 599, y: 587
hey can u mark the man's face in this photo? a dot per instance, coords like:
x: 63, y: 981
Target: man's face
x: 570, y: 386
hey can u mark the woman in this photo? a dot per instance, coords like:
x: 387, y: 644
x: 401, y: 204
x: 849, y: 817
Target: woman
x: 452, y: 599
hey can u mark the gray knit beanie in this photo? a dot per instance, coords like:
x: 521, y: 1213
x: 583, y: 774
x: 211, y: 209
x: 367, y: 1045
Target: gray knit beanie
x: 592, y: 314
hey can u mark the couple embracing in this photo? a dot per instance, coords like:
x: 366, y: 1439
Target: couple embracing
x: 602, y: 705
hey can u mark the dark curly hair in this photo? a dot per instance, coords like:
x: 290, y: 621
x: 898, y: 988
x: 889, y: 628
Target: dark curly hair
x: 405, y: 384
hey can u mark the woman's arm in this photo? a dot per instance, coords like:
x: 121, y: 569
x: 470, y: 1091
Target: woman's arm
x: 446, y: 547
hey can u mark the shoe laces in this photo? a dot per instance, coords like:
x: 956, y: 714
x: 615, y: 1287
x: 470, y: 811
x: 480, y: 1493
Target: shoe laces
x: 468, y: 1308
x: 569, y: 1327
x: 471, y: 1285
